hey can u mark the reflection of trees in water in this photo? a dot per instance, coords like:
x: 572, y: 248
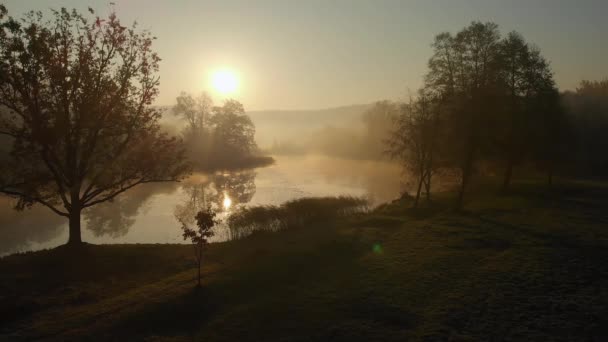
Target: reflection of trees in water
x: 197, y: 198
x: 115, y: 218
x: 39, y: 225
x: 19, y: 229
x: 238, y: 186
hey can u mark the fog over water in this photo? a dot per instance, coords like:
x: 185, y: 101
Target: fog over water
x: 146, y: 214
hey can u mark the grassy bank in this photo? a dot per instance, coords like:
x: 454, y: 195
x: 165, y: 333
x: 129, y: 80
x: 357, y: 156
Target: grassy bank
x: 532, y: 265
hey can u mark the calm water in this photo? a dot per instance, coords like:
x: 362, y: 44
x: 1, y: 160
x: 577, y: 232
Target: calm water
x: 147, y: 214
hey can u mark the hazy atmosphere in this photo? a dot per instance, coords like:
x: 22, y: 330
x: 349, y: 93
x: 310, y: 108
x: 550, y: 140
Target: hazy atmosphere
x: 320, y: 54
x: 303, y: 170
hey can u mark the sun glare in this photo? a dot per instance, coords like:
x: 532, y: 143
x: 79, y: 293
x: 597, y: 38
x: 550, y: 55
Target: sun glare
x: 224, y: 81
x: 227, y: 202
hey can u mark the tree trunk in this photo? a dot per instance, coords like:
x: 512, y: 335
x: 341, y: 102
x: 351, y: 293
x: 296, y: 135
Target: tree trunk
x: 463, y: 185
x: 466, y: 174
x: 199, y: 273
x: 508, y: 173
x: 511, y: 140
x: 75, y: 236
x: 427, y: 185
x: 74, y: 211
x: 418, y: 192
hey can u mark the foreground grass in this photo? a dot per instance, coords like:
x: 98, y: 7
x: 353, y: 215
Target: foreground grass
x: 527, y: 266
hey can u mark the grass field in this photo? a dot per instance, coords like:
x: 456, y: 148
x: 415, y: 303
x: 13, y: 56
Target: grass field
x: 532, y: 265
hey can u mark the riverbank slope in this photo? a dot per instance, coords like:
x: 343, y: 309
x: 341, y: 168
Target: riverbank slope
x: 529, y: 266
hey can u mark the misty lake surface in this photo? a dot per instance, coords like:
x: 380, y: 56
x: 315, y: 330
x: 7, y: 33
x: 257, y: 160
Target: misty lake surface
x: 147, y: 214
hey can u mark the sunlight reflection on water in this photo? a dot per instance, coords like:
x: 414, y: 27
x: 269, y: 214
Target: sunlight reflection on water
x: 146, y: 214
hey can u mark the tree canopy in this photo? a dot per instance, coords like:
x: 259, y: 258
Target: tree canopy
x: 75, y: 95
x: 484, y: 96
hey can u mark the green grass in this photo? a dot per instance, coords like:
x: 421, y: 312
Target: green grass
x: 532, y: 265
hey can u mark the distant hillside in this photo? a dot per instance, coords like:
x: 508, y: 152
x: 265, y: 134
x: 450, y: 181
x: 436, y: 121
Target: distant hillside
x: 295, y: 125
x: 308, y: 117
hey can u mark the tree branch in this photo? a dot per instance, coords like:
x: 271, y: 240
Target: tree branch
x: 35, y: 199
x: 123, y: 189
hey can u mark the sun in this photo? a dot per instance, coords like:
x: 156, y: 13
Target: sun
x: 224, y: 81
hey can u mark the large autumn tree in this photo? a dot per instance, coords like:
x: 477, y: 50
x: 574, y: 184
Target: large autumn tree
x: 75, y: 107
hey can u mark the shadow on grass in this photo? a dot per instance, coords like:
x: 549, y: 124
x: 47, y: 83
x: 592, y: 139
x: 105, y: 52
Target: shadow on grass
x: 371, y: 308
x: 184, y: 314
x: 69, y: 276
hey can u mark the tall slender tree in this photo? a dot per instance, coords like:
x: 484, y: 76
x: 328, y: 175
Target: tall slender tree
x: 463, y: 72
x: 199, y: 236
x: 196, y: 111
x: 529, y: 86
x: 515, y: 58
x: 414, y: 140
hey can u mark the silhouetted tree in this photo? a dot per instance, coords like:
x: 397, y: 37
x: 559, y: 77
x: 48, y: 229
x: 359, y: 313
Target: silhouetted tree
x: 463, y: 71
x: 529, y: 84
x: 76, y: 94
x: 515, y: 56
x: 195, y: 111
x: 218, y: 137
x: 495, y: 98
x: 199, y: 236
x: 233, y: 130
x: 413, y: 141
x: 551, y: 140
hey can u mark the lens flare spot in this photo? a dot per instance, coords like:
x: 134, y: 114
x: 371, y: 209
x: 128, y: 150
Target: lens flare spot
x: 377, y: 248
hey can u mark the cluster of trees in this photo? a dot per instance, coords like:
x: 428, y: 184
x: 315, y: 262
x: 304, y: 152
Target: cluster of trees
x: 485, y: 97
x: 217, y: 137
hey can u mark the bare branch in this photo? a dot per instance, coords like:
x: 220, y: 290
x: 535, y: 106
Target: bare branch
x: 34, y: 199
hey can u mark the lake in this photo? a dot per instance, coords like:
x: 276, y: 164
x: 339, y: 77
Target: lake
x: 147, y: 214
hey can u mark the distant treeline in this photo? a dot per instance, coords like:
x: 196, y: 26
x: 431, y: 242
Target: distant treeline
x: 218, y: 137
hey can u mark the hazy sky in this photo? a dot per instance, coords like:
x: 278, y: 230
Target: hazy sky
x: 303, y: 54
